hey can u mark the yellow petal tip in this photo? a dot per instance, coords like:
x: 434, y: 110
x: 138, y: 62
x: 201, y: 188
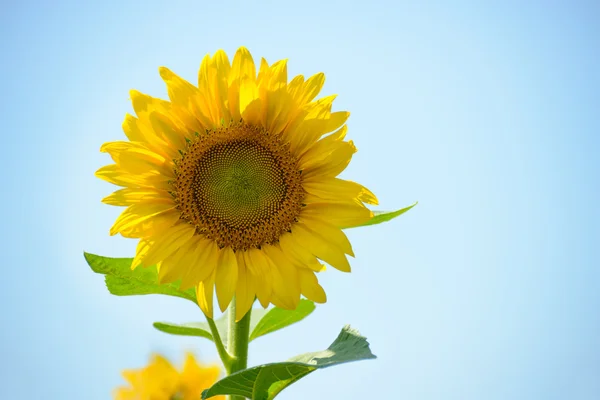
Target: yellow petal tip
x: 165, y: 72
x: 134, y: 93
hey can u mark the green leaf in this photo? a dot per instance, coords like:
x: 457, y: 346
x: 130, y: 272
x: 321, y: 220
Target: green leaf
x: 121, y: 280
x: 261, y: 322
x: 278, y: 318
x: 384, y: 216
x: 200, y: 329
x: 264, y: 382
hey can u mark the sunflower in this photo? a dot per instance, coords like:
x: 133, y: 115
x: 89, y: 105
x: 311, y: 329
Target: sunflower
x: 161, y: 381
x: 232, y: 187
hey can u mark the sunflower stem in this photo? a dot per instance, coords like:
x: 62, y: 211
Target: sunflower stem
x: 237, y: 341
x: 226, y: 358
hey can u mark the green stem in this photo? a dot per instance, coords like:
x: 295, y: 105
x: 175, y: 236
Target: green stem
x: 226, y: 358
x: 237, y: 341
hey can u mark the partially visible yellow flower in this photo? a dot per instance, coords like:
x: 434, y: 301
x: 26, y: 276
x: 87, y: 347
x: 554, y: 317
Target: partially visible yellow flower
x: 161, y: 381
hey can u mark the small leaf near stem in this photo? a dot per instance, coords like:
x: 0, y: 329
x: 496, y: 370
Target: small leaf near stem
x: 278, y: 318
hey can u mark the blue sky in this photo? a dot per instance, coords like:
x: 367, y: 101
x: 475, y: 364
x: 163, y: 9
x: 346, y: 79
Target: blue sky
x: 484, y: 112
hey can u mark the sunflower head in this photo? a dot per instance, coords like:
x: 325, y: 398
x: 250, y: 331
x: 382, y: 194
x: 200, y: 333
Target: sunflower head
x: 231, y: 185
x: 159, y: 380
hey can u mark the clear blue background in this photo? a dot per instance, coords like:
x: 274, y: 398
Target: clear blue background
x: 487, y: 113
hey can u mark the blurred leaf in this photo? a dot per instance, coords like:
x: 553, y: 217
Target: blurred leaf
x: 384, y: 216
x: 278, y: 318
x: 264, y: 382
x: 121, y: 280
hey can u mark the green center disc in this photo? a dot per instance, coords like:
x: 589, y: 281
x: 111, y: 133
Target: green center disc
x: 239, y: 183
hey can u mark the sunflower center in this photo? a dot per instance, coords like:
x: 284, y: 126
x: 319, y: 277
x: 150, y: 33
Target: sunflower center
x: 239, y: 182
x: 239, y: 186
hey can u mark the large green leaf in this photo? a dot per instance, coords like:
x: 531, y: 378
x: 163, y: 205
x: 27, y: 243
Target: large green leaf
x: 264, y: 382
x: 261, y: 322
x: 384, y: 216
x: 278, y: 318
x: 121, y: 280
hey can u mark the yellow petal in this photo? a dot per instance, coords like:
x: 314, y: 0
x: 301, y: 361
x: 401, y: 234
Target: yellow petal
x: 233, y: 100
x: 170, y: 269
x: 196, y: 377
x: 278, y: 76
x: 310, y: 286
x: 140, y: 252
x: 200, y: 262
x: 320, y: 248
x: 286, y: 284
x: 168, y: 243
x: 242, y: 68
x: 205, y: 80
x: 160, y: 377
x: 245, y: 291
x: 275, y: 98
x: 124, y: 393
x: 261, y: 268
x: 331, y: 165
x: 226, y: 278
x: 263, y: 73
x: 334, y: 189
x: 323, y: 148
x: 180, y: 91
x: 144, y: 104
x: 257, y: 262
x: 139, y: 213
x: 342, y: 215
x: 323, y: 122
x: 250, y: 104
x: 205, y: 294
x: 132, y: 130
x: 299, y: 255
x: 311, y: 88
x: 242, y: 65
x: 333, y: 235
x: 278, y: 109
x: 115, y: 149
x: 141, y: 131
x: 114, y: 174
x: 186, y: 97
x: 221, y: 63
x: 310, y: 124
x: 190, y: 263
x: 151, y: 226
x: 264, y: 289
x: 140, y: 160
x: 162, y: 125
x: 137, y: 159
x: 129, y: 196
x: 294, y: 89
x: 216, y: 85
